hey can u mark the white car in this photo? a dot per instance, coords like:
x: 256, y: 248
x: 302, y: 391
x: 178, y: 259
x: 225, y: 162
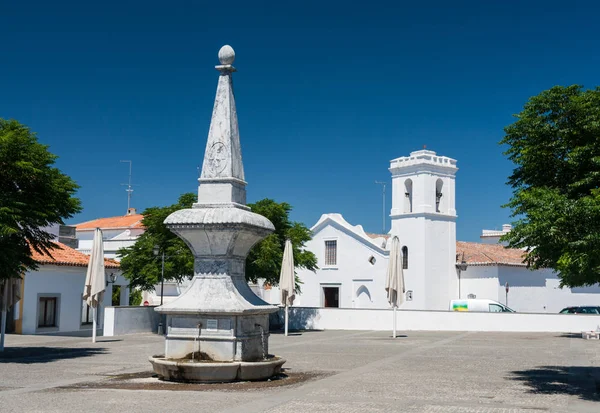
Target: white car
x: 480, y: 305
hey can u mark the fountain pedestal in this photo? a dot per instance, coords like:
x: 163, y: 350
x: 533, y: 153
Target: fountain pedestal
x: 218, y: 329
x: 218, y: 314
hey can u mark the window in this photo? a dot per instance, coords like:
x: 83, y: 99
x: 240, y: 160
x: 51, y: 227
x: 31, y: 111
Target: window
x: 405, y: 258
x: 408, y: 194
x: 330, y: 253
x: 86, y: 313
x: 495, y: 308
x: 439, y: 184
x: 47, y: 312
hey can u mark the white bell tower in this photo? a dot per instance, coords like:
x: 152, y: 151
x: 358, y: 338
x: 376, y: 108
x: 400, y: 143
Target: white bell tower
x: 424, y: 219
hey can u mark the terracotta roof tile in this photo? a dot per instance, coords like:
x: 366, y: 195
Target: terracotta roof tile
x: 477, y: 253
x: 489, y: 254
x: 68, y: 256
x: 126, y: 221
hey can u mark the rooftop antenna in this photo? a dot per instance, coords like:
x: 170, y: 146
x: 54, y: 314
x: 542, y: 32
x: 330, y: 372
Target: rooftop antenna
x: 129, y: 189
x: 383, y: 210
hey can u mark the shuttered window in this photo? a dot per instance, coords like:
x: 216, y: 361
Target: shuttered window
x: 330, y: 253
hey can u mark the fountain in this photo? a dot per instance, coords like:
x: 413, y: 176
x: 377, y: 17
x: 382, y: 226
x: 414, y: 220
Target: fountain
x: 217, y: 330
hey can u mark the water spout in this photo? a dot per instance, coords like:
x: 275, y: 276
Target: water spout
x: 199, y: 325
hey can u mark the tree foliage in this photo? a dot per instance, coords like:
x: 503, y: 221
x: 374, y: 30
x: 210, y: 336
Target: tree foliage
x: 142, y: 268
x: 264, y: 259
x: 555, y: 144
x: 33, y: 195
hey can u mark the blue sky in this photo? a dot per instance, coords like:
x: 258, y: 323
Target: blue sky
x: 327, y: 93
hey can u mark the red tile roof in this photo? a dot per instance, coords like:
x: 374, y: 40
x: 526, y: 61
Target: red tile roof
x: 476, y: 253
x: 68, y: 256
x: 126, y: 221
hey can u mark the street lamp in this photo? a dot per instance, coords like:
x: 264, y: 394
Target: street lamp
x: 111, y: 278
x: 156, y: 250
x: 462, y: 266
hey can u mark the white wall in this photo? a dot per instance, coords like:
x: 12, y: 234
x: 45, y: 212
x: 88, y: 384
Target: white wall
x: 411, y: 320
x: 529, y: 291
x: 67, y: 283
x: 114, y: 239
x: 481, y: 281
x: 130, y: 320
x: 352, y: 271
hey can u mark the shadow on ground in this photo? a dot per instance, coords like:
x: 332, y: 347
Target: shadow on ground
x: 570, y: 335
x: 149, y: 381
x: 581, y: 381
x: 33, y: 355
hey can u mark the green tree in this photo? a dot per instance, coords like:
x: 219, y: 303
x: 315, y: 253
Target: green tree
x: 264, y: 259
x: 33, y: 195
x: 555, y: 144
x: 142, y: 268
x: 139, y: 263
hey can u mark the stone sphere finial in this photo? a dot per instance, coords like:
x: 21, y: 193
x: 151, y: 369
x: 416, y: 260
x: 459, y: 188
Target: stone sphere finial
x: 226, y: 55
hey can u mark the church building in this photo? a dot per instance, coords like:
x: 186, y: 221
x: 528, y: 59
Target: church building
x: 353, y: 263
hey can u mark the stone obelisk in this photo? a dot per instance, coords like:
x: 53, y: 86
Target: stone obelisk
x: 218, y: 315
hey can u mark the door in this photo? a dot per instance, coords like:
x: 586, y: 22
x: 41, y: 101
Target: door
x: 331, y: 297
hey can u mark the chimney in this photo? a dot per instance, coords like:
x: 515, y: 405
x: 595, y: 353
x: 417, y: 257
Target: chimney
x: 506, y: 227
x: 131, y: 211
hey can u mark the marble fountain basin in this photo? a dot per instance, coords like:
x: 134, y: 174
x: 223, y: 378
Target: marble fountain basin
x: 207, y: 371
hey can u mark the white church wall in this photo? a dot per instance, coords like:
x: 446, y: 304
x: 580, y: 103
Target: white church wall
x: 360, y: 283
x: 529, y: 291
x: 409, y: 232
x: 411, y: 320
x: 440, y: 259
x: 480, y: 281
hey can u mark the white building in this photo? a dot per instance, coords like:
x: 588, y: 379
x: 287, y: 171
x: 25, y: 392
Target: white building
x: 51, y: 297
x: 117, y: 232
x: 352, y: 263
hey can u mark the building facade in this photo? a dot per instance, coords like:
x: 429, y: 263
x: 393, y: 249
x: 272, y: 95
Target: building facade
x: 51, y: 297
x: 437, y: 268
x: 117, y: 232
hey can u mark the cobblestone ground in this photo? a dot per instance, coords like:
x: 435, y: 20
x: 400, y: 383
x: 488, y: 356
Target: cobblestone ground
x: 354, y: 371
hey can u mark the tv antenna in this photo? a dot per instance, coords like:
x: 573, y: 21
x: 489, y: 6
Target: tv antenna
x: 383, y: 210
x: 129, y: 189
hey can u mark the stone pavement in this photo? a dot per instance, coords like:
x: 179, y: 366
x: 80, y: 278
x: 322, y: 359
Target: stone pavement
x: 364, y: 371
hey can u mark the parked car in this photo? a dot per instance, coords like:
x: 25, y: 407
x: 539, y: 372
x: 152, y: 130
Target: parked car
x: 581, y: 310
x: 479, y: 305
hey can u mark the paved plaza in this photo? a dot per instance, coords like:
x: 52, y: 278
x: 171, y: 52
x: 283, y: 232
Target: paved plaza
x: 341, y: 371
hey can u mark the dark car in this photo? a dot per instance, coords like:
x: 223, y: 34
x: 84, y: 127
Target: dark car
x: 581, y: 310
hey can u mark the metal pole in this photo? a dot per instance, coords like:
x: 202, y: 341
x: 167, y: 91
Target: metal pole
x: 286, y: 319
x: 394, y: 331
x: 4, y: 310
x: 162, y: 278
x: 383, y: 211
x: 128, y: 190
x: 383, y: 206
x: 94, y: 315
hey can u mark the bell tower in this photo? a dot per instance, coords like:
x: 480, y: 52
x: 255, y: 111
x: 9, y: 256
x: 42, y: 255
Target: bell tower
x: 423, y: 217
